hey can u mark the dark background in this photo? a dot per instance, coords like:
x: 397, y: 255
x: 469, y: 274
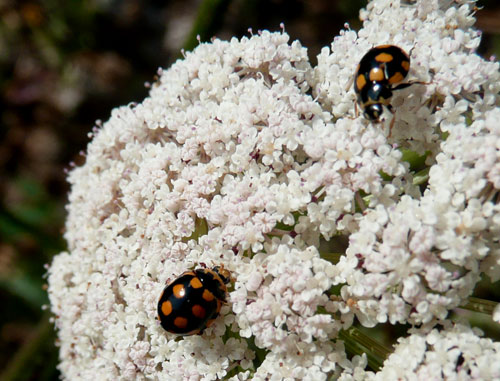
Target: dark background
x: 65, y: 64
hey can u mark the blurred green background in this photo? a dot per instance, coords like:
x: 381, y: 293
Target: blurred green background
x: 66, y: 64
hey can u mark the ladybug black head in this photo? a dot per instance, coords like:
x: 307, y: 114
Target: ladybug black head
x: 373, y: 112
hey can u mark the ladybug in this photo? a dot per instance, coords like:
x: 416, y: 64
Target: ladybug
x: 192, y: 302
x: 378, y: 74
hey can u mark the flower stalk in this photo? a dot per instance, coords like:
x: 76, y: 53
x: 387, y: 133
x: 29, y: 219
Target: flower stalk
x: 480, y: 305
x: 357, y: 343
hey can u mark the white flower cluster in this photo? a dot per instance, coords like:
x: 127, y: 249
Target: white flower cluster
x: 247, y: 156
x: 456, y: 352
x: 412, y: 258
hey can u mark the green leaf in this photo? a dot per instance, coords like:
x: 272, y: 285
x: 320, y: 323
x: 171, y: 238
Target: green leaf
x: 26, y: 288
x: 416, y: 161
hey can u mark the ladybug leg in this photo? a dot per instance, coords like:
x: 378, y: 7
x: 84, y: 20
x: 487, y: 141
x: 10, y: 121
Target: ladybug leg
x: 408, y: 84
x: 403, y: 85
x: 392, y: 125
x: 356, y: 112
x: 389, y: 107
x: 349, y: 83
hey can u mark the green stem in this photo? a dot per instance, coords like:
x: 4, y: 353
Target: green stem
x: 28, y: 357
x: 208, y: 20
x: 421, y: 177
x: 480, y: 305
x: 357, y: 343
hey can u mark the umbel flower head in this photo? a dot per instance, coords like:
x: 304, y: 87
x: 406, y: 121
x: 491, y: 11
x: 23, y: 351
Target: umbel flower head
x: 244, y: 155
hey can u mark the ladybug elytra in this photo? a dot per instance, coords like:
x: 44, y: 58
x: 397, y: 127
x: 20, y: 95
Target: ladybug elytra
x: 379, y: 73
x: 192, y: 302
